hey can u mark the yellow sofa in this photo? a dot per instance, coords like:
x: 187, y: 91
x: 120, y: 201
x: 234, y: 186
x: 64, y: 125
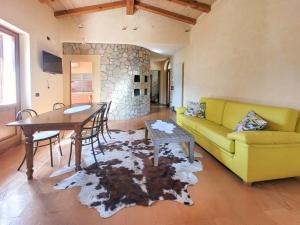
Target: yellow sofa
x: 273, y: 153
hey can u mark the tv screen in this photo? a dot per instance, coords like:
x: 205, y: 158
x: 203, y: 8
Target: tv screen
x: 51, y: 63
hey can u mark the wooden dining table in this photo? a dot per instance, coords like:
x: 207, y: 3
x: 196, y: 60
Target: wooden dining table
x: 59, y: 119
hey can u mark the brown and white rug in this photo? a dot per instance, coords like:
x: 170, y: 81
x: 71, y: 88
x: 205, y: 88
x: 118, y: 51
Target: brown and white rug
x: 126, y: 176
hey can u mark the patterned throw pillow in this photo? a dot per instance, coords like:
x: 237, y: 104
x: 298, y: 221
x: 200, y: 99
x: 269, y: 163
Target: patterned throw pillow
x: 195, y: 109
x: 192, y: 108
x: 202, y: 109
x: 252, y: 121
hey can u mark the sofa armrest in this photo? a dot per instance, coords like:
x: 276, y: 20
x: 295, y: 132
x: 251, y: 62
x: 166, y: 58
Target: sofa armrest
x: 180, y: 110
x: 265, y: 137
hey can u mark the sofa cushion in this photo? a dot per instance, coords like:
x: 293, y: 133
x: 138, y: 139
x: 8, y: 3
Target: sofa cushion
x: 265, y: 137
x: 298, y: 125
x: 214, y: 109
x: 279, y: 119
x: 215, y: 133
x: 189, y: 121
x: 251, y: 121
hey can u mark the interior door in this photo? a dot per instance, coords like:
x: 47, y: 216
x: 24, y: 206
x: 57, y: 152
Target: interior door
x: 9, y: 87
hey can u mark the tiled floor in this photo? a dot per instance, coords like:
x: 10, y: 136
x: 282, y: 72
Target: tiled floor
x: 220, y: 197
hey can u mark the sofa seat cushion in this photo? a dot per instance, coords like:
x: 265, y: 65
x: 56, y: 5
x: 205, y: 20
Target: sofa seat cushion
x: 215, y: 133
x: 189, y: 121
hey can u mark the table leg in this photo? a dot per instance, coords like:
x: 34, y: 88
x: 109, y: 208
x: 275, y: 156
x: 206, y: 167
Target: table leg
x: 191, y: 150
x: 156, y: 153
x: 78, y: 148
x: 146, y: 133
x: 29, y: 152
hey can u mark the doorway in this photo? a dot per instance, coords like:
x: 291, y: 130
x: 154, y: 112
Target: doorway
x: 155, y: 86
x: 168, y: 84
x: 81, y: 82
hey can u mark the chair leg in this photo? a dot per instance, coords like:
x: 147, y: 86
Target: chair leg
x: 103, y: 134
x: 70, y: 156
x: 51, y: 155
x: 100, y: 146
x: 22, y: 162
x: 35, y: 150
x: 94, y: 153
x: 58, y: 140
x: 107, y: 129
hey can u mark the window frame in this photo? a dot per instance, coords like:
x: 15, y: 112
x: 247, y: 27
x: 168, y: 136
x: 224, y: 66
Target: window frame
x: 17, y: 63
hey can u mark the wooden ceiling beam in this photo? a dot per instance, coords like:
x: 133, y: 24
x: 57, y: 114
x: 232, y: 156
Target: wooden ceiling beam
x: 203, y: 7
x: 130, y: 7
x: 89, y: 9
x: 166, y: 13
x: 46, y: 1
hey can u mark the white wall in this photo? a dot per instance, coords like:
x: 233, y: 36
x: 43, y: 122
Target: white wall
x: 246, y: 50
x: 157, y: 33
x: 38, y: 22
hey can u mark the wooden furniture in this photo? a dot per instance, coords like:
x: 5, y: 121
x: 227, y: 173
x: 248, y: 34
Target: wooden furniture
x: 58, y: 105
x: 52, y: 136
x: 161, y: 137
x: 55, y: 120
x: 105, y: 122
x: 90, y: 135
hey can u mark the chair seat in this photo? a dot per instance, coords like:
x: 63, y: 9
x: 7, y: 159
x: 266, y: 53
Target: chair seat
x: 44, y: 135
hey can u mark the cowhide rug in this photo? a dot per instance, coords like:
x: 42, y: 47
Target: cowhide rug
x: 126, y: 176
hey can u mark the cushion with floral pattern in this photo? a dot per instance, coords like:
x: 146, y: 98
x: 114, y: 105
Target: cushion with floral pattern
x: 195, y: 109
x: 252, y: 121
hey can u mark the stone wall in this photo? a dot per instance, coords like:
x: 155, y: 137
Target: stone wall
x: 119, y: 64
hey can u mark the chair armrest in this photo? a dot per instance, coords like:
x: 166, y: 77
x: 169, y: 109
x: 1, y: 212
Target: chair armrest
x: 265, y: 137
x: 180, y: 110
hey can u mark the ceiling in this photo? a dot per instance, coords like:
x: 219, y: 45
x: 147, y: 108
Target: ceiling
x: 169, y: 5
x: 167, y: 46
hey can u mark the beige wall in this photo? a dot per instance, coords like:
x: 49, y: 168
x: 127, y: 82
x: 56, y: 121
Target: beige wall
x: 95, y: 59
x: 246, y: 50
x: 38, y: 22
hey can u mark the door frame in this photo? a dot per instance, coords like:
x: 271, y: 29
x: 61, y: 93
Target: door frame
x: 67, y: 59
x: 13, y: 139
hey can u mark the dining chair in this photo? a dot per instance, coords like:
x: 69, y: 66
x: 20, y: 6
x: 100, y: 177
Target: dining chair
x: 51, y: 136
x: 105, y: 121
x: 90, y: 134
x: 58, y: 105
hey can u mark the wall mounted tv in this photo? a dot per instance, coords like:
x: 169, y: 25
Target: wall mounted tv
x: 51, y: 63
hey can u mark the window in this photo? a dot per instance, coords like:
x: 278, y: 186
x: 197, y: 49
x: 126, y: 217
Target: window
x: 146, y: 91
x: 8, y: 72
x: 146, y: 79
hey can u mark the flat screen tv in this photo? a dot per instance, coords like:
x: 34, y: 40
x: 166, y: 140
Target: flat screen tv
x: 51, y: 63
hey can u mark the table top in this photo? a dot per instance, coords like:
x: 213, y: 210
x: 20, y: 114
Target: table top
x: 59, y: 118
x: 178, y: 133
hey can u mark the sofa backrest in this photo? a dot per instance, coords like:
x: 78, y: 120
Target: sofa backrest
x: 214, y: 109
x: 298, y: 125
x: 279, y: 119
